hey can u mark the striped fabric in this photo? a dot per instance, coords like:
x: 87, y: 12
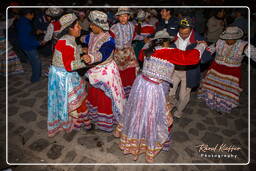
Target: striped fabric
x: 220, y: 88
x: 105, y: 96
x: 13, y: 61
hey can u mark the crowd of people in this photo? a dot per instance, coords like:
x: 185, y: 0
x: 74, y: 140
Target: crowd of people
x: 130, y: 71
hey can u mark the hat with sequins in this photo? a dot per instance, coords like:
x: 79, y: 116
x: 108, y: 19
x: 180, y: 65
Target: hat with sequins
x: 99, y: 18
x: 232, y: 33
x: 186, y: 22
x: 54, y: 12
x: 67, y: 20
x: 123, y: 11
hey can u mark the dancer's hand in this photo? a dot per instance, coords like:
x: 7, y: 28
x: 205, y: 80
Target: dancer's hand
x: 86, y: 58
x: 201, y: 41
x: 169, y: 119
x: 38, y: 31
x: 42, y: 43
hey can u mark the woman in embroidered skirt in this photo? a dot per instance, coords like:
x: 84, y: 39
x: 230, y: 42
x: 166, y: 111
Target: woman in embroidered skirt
x: 124, y: 55
x: 220, y: 88
x: 105, y: 94
x: 145, y: 123
x: 66, y: 89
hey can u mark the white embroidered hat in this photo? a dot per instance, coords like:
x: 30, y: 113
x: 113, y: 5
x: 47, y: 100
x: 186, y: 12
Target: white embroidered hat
x: 123, y: 11
x: 99, y: 18
x: 67, y: 20
x: 54, y: 12
x: 232, y: 32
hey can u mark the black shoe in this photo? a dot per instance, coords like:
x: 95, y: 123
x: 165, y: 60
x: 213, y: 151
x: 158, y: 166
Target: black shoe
x: 92, y: 128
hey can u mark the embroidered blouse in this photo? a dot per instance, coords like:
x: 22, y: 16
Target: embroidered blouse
x: 123, y: 34
x: 231, y: 55
x: 67, y: 54
x: 100, y: 46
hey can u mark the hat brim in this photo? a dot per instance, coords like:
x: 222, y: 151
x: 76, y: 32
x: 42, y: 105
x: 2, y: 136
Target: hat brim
x: 102, y: 26
x: 123, y: 12
x: 231, y: 37
x: 63, y: 27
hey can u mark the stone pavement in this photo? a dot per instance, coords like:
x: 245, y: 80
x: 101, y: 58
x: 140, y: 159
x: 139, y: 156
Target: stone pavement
x: 28, y: 141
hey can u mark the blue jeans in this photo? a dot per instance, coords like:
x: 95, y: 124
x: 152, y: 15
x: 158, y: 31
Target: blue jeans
x: 35, y: 62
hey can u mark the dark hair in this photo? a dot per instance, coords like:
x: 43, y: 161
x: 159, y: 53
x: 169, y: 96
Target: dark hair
x: 66, y: 30
x: 168, y: 9
x: 242, y: 11
x: 27, y: 11
x: 157, y: 42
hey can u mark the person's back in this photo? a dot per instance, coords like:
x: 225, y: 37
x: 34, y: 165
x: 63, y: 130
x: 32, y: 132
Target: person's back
x: 26, y: 39
x: 28, y: 43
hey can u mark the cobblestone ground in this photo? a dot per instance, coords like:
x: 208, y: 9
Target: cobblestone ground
x: 28, y: 141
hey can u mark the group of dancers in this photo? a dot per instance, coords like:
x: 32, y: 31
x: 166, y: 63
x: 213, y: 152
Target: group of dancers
x: 115, y: 95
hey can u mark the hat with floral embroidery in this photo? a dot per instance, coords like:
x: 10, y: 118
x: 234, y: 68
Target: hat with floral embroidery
x: 54, y: 12
x: 123, y: 11
x: 232, y: 33
x: 99, y: 18
x: 67, y: 20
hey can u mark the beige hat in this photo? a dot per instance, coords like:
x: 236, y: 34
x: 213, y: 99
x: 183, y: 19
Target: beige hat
x: 153, y: 12
x: 54, y: 12
x: 163, y: 34
x: 232, y: 33
x: 99, y: 18
x: 123, y: 11
x: 67, y: 20
x: 142, y: 14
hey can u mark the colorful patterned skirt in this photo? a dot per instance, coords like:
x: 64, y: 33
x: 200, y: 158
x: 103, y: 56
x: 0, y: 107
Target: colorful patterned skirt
x: 143, y: 127
x: 105, y: 96
x: 66, y: 101
x: 13, y: 62
x: 128, y: 67
x: 220, y: 89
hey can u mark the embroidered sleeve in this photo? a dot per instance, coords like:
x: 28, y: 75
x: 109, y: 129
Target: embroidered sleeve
x: 68, y: 56
x: 200, y: 47
x: 49, y: 33
x: 104, y: 52
x: 252, y: 54
x: 79, y: 47
x: 77, y: 64
x: 211, y: 48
